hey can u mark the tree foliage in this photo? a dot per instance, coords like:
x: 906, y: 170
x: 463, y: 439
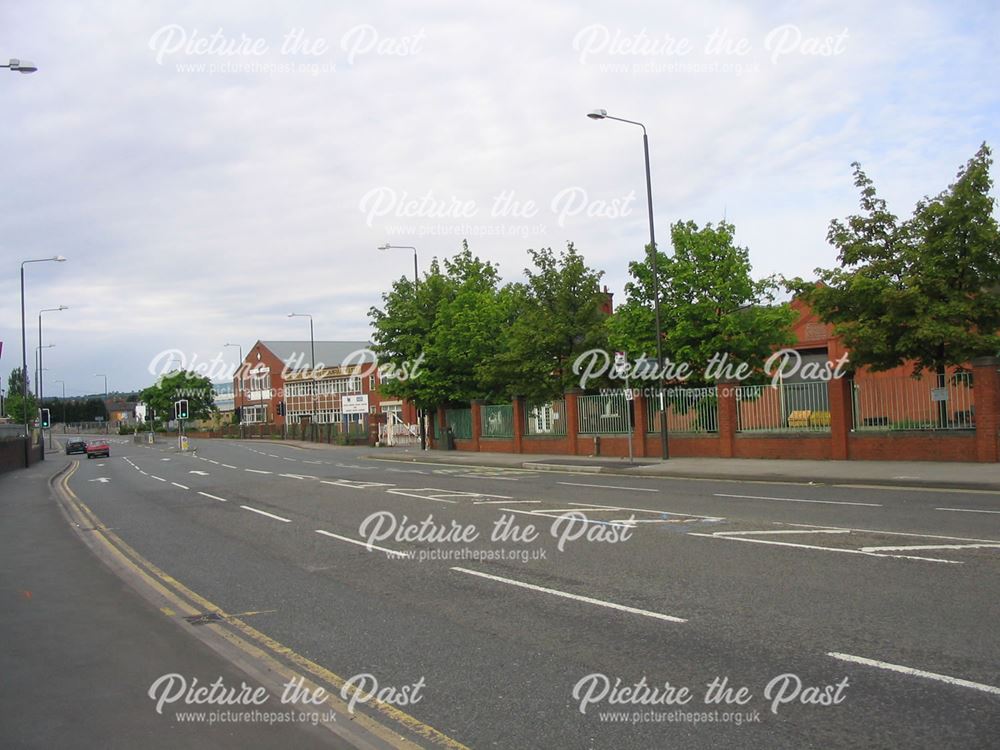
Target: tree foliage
x: 19, y: 410
x: 559, y: 315
x: 168, y: 389
x: 710, y: 304
x: 926, y: 289
x: 478, y: 339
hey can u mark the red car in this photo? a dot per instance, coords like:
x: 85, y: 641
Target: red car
x: 98, y: 448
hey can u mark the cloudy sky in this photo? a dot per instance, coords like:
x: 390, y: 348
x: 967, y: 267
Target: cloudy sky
x: 208, y: 168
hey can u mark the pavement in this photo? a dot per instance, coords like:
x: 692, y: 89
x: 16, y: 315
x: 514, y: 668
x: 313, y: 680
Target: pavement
x: 81, y: 649
x: 888, y: 592
x: 917, y: 474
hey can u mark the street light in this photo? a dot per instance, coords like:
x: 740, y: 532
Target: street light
x: 21, y: 66
x: 24, y: 351
x: 63, y: 404
x: 102, y: 375
x: 602, y: 114
x: 312, y: 363
x: 38, y: 384
x: 38, y: 370
x: 240, y: 371
x: 416, y: 283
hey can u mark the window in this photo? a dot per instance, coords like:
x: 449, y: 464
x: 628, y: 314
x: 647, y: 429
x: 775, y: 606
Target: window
x: 371, y: 382
x: 542, y: 417
x: 254, y: 414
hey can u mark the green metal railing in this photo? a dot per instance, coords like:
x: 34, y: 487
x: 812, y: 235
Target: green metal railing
x: 689, y: 410
x: 498, y: 421
x: 460, y: 421
x: 604, y: 415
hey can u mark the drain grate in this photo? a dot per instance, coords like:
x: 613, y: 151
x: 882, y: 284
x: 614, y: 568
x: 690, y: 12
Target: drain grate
x: 204, y: 619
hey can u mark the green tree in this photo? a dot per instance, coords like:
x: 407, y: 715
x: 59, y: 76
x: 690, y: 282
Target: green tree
x: 449, y: 324
x: 925, y: 290
x: 19, y: 410
x: 170, y: 388
x: 558, y: 314
x: 710, y: 304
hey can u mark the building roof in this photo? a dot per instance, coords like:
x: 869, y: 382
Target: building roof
x: 296, y: 354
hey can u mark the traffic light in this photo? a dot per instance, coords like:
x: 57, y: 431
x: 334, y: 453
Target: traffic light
x: 44, y: 418
x: 182, y: 409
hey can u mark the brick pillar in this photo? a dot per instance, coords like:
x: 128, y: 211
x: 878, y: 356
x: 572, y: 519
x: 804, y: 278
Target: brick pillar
x: 518, y: 406
x: 639, y: 426
x: 841, y: 417
x: 572, y: 418
x: 476, y: 409
x: 727, y: 419
x: 986, y: 387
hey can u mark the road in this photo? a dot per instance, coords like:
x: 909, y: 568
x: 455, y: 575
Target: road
x: 879, y: 601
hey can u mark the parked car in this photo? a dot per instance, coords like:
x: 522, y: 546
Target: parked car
x: 98, y: 448
x: 76, y: 446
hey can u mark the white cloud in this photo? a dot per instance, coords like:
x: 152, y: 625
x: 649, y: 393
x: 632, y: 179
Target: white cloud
x: 199, y: 208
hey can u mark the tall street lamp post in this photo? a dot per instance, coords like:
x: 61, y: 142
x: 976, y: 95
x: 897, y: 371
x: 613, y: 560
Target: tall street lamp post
x: 24, y: 348
x: 602, y: 114
x: 63, y: 401
x: 41, y: 388
x: 239, y: 371
x: 416, y: 283
x: 107, y: 413
x: 312, y: 362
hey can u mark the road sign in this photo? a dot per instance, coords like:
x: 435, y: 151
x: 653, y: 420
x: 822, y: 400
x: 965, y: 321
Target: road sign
x: 354, y: 404
x: 939, y: 394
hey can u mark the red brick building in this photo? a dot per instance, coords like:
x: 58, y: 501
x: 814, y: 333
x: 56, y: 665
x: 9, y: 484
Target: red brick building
x: 278, y: 385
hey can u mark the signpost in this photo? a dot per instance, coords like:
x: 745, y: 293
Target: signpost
x: 621, y: 367
x: 354, y: 404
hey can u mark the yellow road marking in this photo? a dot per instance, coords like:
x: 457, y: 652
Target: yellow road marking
x: 149, y: 572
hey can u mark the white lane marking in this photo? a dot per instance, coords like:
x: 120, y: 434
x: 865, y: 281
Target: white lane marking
x: 585, y: 506
x: 160, y: 479
x: 545, y: 514
x: 143, y: 473
x: 930, y: 546
x: 797, y: 500
x: 969, y: 510
x: 298, y: 476
x: 164, y: 459
x: 823, y: 549
x: 896, y: 533
x: 102, y: 480
x: 229, y: 466
x: 286, y: 458
x: 311, y: 462
x: 358, y: 542
x: 212, y: 462
x: 182, y: 486
x: 503, y: 502
x: 214, y: 497
x: 274, y: 455
x: 199, y: 473
x: 355, y: 484
x: 257, y: 471
x: 915, y: 672
x: 785, y: 531
x: 575, y: 597
x: 265, y: 513
x: 609, y: 487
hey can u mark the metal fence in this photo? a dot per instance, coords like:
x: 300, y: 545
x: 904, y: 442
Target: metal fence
x: 460, y: 421
x: 932, y: 403
x: 689, y: 410
x: 545, y: 419
x: 606, y: 414
x: 786, y: 407
x: 498, y: 421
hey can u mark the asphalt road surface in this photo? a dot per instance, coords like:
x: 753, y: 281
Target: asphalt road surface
x: 850, y: 617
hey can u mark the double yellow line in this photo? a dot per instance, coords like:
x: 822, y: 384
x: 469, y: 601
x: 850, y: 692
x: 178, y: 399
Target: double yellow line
x: 255, y: 647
